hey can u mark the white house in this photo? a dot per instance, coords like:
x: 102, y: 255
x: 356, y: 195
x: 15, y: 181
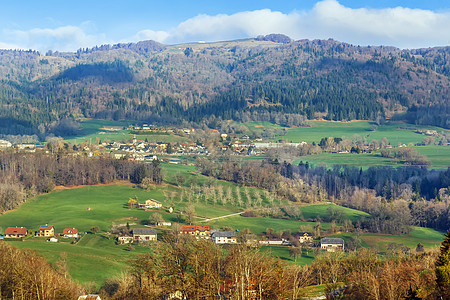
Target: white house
x: 224, y: 237
x: 332, y: 244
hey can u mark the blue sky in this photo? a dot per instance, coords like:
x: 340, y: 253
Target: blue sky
x: 67, y: 26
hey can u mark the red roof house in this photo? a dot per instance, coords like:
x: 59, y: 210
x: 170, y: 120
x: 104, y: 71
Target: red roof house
x: 15, y: 232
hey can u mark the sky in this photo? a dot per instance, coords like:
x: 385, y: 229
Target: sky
x: 69, y: 25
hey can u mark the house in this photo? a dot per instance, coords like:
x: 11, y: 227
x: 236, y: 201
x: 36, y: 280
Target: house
x: 46, y: 230
x: 70, y: 232
x: 332, y: 244
x: 144, y: 234
x: 89, y: 297
x: 304, y: 237
x: 164, y: 223
x: 200, y: 232
x: 150, y: 203
x: 15, y: 232
x: 273, y: 241
x: 5, y: 144
x: 125, y: 239
x: 224, y: 237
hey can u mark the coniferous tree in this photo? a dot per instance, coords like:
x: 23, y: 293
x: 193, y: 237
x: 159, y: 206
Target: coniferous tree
x: 443, y: 264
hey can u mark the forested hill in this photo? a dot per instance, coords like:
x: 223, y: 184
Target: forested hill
x: 242, y: 80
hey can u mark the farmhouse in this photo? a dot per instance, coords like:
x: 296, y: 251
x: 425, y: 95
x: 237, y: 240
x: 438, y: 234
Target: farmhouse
x: 70, y: 232
x: 332, y: 244
x: 304, y: 237
x: 164, y: 223
x: 144, y: 234
x: 200, y: 232
x: 224, y: 237
x: 150, y: 203
x: 125, y: 239
x: 15, y: 232
x: 46, y: 230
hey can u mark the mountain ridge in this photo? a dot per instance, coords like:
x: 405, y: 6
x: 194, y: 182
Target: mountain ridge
x: 227, y: 80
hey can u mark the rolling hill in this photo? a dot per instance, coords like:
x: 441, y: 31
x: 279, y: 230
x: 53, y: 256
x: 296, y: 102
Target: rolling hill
x: 266, y: 78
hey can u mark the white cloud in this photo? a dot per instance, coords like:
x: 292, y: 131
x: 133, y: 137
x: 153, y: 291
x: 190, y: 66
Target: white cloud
x: 401, y: 27
x: 65, y: 38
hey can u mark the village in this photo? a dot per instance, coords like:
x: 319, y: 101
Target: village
x: 135, y: 236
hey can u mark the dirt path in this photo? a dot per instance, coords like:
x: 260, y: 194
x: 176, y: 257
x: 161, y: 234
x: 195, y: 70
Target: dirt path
x: 212, y: 219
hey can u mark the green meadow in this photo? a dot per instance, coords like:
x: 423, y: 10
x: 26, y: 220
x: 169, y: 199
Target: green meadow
x: 438, y: 155
x: 92, y: 129
x: 395, y: 132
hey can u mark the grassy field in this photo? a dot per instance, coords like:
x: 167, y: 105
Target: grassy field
x: 438, y: 155
x: 428, y: 237
x: 313, y: 211
x: 282, y: 252
x: 395, y: 132
x: 94, y: 259
x: 91, y: 129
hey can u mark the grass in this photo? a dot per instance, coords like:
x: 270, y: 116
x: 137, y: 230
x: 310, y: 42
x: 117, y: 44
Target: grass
x: 395, y: 132
x: 94, y: 259
x: 321, y: 210
x: 282, y: 252
x: 69, y: 208
x: 428, y: 237
x: 438, y: 155
x: 258, y: 225
x: 92, y: 129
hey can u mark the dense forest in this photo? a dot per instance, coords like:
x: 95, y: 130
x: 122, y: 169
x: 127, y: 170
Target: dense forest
x: 229, y: 80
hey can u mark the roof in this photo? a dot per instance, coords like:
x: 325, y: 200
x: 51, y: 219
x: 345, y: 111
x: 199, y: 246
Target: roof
x: 227, y: 234
x: 304, y: 234
x: 195, y: 228
x: 144, y: 231
x: 46, y: 227
x: 70, y: 231
x: 332, y: 241
x: 16, y: 230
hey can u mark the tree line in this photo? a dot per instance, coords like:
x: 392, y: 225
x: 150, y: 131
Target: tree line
x: 24, y: 175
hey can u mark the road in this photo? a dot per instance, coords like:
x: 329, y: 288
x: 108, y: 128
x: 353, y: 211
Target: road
x: 212, y: 219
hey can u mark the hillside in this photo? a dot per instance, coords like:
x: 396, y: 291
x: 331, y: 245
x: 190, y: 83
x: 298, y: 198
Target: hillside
x: 254, y: 79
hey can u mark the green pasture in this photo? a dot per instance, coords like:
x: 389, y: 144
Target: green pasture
x: 395, y: 132
x: 429, y: 238
x: 91, y: 129
x: 438, y: 155
x: 282, y: 252
x: 258, y: 225
x: 94, y: 259
x: 321, y: 210
x: 81, y: 208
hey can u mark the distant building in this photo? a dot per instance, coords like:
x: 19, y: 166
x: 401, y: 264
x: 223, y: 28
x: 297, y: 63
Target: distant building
x: 150, y: 203
x: 332, y: 244
x: 144, y: 234
x: 175, y: 161
x: 200, y: 232
x: 224, y: 237
x: 70, y: 232
x: 125, y: 239
x: 15, y: 232
x: 46, y: 230
x: 5, y: 144
x: 304, y: 237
